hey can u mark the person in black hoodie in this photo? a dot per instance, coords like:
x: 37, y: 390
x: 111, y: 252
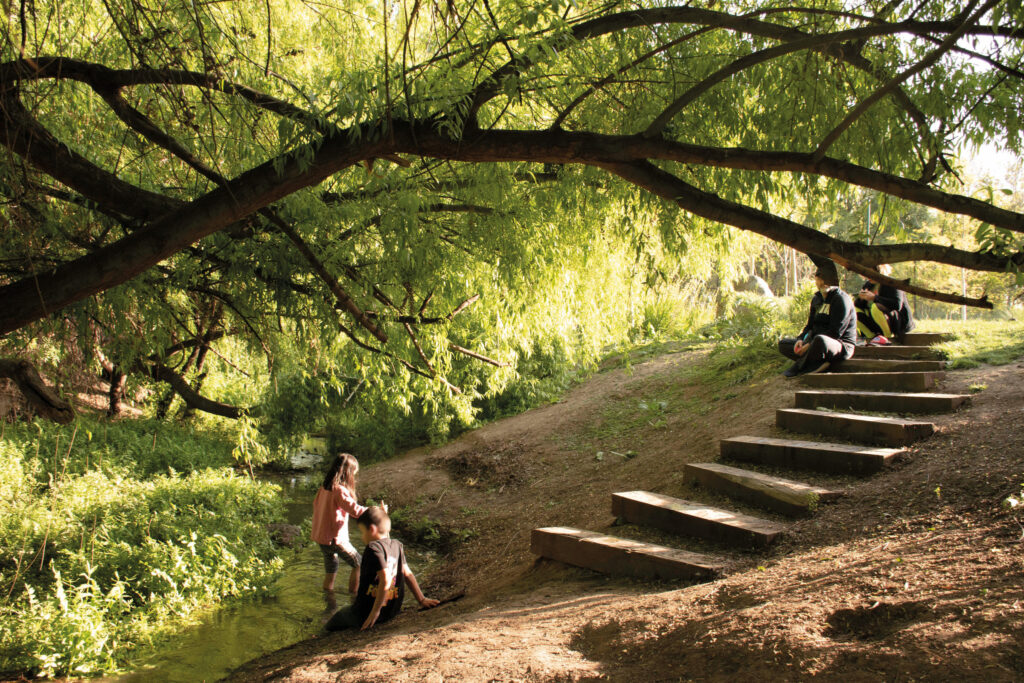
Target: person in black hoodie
x: 830, y: 334
x: 883, y: 310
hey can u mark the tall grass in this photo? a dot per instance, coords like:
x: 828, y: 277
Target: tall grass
x: 105, y: 546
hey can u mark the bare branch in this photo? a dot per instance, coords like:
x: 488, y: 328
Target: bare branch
x: 464, y: 305
x: 473, y: 354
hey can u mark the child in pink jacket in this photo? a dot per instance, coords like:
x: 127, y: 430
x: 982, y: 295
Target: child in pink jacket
x: 335, y: 502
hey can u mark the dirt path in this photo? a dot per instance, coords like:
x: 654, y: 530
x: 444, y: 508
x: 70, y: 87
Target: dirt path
x: 915, y: 574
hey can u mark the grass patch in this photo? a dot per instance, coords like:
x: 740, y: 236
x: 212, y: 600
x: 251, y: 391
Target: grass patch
x: 425, y: 532
x: 979, y: 342
x: 626, y: 424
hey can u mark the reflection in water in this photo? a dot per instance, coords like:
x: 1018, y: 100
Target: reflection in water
x: 233, y: 635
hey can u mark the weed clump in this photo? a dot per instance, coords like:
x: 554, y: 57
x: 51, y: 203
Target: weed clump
x: 497, y: 467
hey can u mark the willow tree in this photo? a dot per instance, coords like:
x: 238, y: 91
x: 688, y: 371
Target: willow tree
x: 319, y: 159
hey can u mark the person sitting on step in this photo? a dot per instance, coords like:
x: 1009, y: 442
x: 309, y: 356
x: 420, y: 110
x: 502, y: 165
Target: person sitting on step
x: 830, y: 335
x: 883, y: 312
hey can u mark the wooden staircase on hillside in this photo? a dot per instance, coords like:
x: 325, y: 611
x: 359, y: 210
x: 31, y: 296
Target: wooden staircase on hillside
x: 886, y: 381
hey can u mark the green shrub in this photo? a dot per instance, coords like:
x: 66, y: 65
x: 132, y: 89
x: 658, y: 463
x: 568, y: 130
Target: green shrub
x: 668, y: 318
x: 96, y: 558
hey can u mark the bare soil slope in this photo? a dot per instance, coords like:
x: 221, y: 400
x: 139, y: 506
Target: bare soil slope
x: 915, y: 574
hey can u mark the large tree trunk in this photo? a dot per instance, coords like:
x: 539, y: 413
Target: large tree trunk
x: 42, y: 398
x: 192, y: 399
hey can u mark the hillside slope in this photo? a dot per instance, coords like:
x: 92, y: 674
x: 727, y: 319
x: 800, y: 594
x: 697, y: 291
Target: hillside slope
x: 914, y: 574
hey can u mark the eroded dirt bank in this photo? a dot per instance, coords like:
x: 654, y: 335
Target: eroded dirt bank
x: 915, y: 574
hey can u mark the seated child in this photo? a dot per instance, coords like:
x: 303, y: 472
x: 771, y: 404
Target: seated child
x: 830, y: 334
x: 883, y: 312
x: 383, y: 574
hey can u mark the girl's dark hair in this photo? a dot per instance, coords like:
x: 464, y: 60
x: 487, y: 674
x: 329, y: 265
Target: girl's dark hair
x: 342, y: 472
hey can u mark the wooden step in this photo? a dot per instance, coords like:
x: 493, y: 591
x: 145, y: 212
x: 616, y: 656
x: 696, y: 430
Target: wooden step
x: 925, y: 338
x: 884, y: 381
x: 881, y: 401
x: 856, y: 364
x: 893, y: 351
x: 811, y: 455
x: 694, y: 519
x: 882, y: 431
x: 622, y: 556
x: 781, y: 495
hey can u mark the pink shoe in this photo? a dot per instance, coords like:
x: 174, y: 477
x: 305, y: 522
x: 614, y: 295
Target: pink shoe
x: 878, y: 341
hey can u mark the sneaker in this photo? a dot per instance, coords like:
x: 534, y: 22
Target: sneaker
x: 791, y: 372
x: 821, y: 368
x: 878, y: 341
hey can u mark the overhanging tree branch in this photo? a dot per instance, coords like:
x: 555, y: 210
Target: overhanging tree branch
x: 779, y: 229
x: 194, y: 400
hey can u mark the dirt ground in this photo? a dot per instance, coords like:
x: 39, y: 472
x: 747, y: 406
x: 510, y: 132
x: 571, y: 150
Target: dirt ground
x: 914, y: 575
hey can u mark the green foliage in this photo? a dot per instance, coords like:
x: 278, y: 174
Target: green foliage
x: 100, y: 553
x: 978, y: 342
x: 755, y: 320
x: 668, y: 317
x: 128, y: 448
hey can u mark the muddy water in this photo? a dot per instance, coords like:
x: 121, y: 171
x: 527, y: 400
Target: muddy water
x: 233, y: 635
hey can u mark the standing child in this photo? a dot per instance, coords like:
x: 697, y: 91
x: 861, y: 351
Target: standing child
x: 382, y: 577
x: 335, y: 502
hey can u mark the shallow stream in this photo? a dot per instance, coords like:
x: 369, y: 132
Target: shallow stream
x: 233, y: 635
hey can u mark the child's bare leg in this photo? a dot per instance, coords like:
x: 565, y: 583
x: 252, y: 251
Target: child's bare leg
x: 329, y: 582
x: 353, y: 581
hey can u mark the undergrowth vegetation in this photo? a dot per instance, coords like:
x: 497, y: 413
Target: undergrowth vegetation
x: 113, y: 535
x: 980, y: 342
x: 105, y: 547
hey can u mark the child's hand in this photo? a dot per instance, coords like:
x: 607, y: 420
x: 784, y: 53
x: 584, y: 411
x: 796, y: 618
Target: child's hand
x: 430, y: 602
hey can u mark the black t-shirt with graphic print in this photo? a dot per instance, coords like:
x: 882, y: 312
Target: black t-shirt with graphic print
x: 389, y: 555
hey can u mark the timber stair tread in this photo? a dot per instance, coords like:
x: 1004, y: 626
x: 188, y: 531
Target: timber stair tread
x: 900, y: 381
x: 925, y: 338
x: 813, y: 455
x: 694, y: 519
x: 884, y: 431
x: 782, y: 495
x: 856, y: 364
x: 622, y: 556
x: 898, y: 351
x: 882, y: 401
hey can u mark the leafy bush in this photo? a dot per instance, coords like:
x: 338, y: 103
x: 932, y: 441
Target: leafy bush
x: 137, y: 448
x: 96, y: 559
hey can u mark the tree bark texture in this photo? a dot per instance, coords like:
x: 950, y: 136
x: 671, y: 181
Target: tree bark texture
x: 42, y: 398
